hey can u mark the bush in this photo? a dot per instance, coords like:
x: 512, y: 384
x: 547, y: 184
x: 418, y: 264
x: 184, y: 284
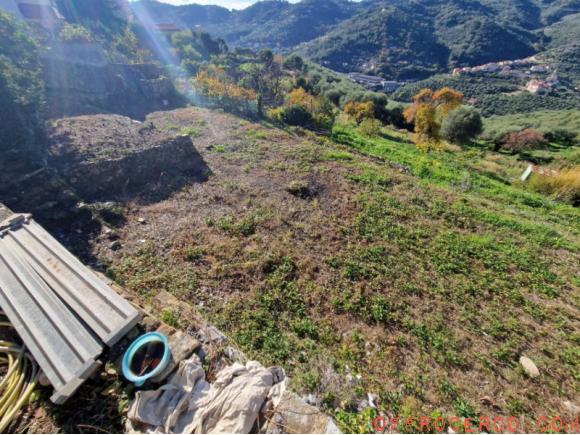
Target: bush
x: 360, y: 111
x: 397, y: 118
x: 525, y: 140
x: 21, y: 87
x: 294, y: 63
x: 461, y: 125
x: 565, y: 186
x: 562, y: 136
x: 370, y: 127
x: 75, y: 33
x: 295, y: 115
x: 334, y: 96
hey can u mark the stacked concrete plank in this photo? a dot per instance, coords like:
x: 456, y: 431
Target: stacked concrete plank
x: 63, y: 313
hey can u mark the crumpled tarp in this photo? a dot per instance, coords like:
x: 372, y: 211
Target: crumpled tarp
x: 189, y: 404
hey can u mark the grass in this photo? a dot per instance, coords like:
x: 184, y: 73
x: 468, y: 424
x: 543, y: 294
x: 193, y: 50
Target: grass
x: 193, y: 132
x: 419, y: 278
x: 545, y: 120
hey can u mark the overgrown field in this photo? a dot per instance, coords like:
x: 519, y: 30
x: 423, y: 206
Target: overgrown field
x: 366, y: 266
x: 542, y: 120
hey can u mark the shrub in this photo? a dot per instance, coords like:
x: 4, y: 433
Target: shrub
x: 300, y: 97
x: 565, y: 186
x: 334, y: 95
x: 296, y: 115
x: 360, y: 111
x: 323, y: 120
x: 75, y: 33
x: 370, y: 127
x: 562, y: 136
x: 294, y: 63
x: 525, y: 140
x: 397, y: 119
x: 461, y: 125
x: 21, y: 87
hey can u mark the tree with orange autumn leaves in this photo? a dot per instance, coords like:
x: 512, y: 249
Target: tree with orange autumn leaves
x: 213, y: 83
x: 428, y: 111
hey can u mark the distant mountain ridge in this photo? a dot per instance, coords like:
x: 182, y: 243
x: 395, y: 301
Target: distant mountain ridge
x: 398, y: 39
x: 269, y: 23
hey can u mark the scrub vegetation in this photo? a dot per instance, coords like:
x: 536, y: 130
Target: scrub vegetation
x: 365, y: 265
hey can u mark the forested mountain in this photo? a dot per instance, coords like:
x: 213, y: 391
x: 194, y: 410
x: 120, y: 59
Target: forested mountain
x: 402, y: 39
x: 183, y: 16
x: 270, y: 23
x: 398, y: 39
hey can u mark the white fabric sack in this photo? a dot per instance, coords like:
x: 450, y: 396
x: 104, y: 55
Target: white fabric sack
x: 189, y: 404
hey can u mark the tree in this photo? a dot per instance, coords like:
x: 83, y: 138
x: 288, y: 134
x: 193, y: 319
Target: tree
x: 461, y: 125
x: 21, y: 86
x: 294, y: 63
x: 264, y: 77
x: 75, y: 33
x: 370, y: 127
x: 319, y: 107
x: 360, y: 111
x: 299, y: 97
x: 447, y: 99
x: 295, y: 115
x: 334, y: 95
x: 428, y: 111
x: 561, y: 136
x: 216, y: 85
x: 521, y: 141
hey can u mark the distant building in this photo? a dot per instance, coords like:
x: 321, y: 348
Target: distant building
x: 167, y: 29
x: 537, y: 86
x: 374, y: 83
x: 553, y: 79
x: 40, y: 12
x: 391, y: 86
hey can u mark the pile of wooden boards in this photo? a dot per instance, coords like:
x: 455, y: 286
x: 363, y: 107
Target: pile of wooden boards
x: 63, y: 312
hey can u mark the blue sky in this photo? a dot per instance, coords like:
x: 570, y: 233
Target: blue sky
x: 230, y: 4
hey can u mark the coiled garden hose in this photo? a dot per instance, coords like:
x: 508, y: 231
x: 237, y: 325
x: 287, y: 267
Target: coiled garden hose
x: 18, y: 383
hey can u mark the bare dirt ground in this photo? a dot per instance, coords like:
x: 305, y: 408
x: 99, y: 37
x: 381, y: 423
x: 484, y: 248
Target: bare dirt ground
x: 329, y: 263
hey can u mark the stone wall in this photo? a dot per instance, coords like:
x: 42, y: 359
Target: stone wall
x: 166, y: 164
x: 79, y: 81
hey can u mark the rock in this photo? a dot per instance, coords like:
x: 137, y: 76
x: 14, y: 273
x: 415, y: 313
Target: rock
x: 110, y: 234
x: 182, y: 347
x: 373, y: 400
x: 362, y: 405
x: 235, y: 355
x: 571, y: 407
x: 211, y: 335
x: 293, y: 415
x: 141, y: 220
x: 486, y: 401
x: 43, y: 380
x: 530, y: 367
x: 312, y: 399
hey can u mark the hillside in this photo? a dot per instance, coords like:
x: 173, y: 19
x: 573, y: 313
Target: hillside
x: 410, y: 40
x: 362, y: 266
x: 395, y: 39
x: 494, y: 93
x: 270, y: 23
